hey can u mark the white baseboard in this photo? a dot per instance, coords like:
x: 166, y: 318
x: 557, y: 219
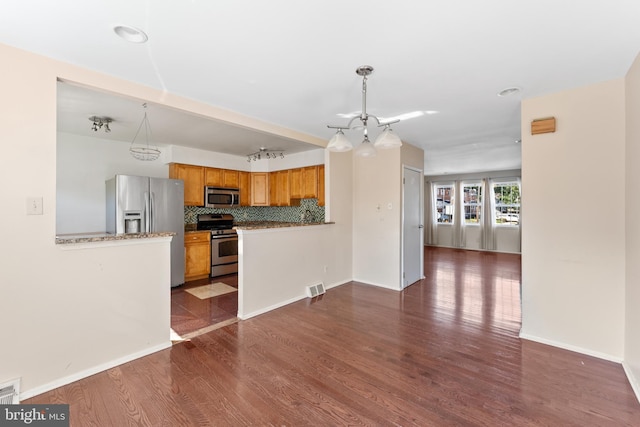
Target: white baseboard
x: 573, y: 348
x: 379, y: 285
x: 635, y: 384
x: 91, y: 371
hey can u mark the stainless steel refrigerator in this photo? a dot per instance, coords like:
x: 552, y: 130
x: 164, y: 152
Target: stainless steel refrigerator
x: 140, y: 204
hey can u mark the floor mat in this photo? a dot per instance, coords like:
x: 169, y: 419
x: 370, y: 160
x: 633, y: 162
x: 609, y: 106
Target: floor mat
x: 211, y: 290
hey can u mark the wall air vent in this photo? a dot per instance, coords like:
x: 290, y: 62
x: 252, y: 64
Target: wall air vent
x: 10, y: 393
x: 315, y: 290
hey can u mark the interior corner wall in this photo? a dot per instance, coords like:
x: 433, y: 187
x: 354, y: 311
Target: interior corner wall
x: 573, y: 234
x: 377, y: 219
x: 69, y: 312
x: 339, y: 207
x: 632, y: 189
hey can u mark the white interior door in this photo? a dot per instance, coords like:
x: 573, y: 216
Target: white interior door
x: 412, y: 226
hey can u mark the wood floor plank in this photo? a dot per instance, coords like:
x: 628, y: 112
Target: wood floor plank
x: 443, y: 352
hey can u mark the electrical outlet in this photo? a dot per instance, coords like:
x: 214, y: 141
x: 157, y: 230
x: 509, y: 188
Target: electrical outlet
x: 325, y: 268
x: 34, y: 205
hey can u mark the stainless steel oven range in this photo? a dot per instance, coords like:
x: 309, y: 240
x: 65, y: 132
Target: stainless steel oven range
x: 224, y: 242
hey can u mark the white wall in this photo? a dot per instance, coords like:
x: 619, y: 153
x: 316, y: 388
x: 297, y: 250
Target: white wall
x: 573, y: 254
x: 377, y: 219
x: 193, y: 156
x: 632, y: 224
x: 83, y: 165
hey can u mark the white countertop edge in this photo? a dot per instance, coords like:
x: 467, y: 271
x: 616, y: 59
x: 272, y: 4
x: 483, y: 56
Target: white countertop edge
x: 241, y: 231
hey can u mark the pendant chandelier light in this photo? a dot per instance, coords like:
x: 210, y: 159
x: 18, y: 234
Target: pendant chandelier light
x: 145, y: 151
x: 387, y: 138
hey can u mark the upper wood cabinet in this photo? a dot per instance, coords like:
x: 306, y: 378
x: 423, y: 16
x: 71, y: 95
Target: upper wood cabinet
x: 304, y: 182
x: 321, y: 185
x: 244, y: 184
x: 260, y: 189
x: 226, y: 178
x: 213, y: 177
x: 279, y: 188
x: 296, y: 183
x: 193, y: 177
x: 310, y: 182
x: 230, y: 179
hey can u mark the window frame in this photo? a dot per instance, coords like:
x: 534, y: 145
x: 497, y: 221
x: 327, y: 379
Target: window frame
x: 479, y: 204
x: 452, y: 203
x: 497, y: 206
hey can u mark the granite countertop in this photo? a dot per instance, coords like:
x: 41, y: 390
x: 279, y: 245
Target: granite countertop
x: 106, y: 237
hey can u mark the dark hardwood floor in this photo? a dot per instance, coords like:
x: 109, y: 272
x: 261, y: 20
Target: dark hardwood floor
x: 445, y: 351
x: 191, y: 315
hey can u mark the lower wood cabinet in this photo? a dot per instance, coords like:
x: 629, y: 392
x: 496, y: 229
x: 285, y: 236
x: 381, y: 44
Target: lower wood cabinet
x: 197, y: 252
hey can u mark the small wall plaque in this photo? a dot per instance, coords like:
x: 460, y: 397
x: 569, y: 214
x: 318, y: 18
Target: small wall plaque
x: 545, y: 125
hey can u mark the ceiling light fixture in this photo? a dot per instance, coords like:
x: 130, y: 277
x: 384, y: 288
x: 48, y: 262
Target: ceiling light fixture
x: 145, y: 151
x: 387, y: 139
x: 100, y: 122
x: 265, y: 153
x: 509, y: 91
x: 131, y: 34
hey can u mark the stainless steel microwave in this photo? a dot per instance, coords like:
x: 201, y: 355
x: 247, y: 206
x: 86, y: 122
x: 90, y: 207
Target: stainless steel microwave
x: 217, y: 197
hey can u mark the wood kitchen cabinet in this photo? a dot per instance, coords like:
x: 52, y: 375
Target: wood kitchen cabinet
x: 310, y: 182
x: 260, y: 189
x: 321, y: 185
x: 193, y: 177
x: 244, y: 184
x: 279, y: 194
x: 296, y: 183
x: 226, y: 178
x: 305, y: 182
x: 197, y: 253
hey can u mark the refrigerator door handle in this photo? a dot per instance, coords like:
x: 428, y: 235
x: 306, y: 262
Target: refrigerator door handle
x: 147, y: 212
x: 152, y: 216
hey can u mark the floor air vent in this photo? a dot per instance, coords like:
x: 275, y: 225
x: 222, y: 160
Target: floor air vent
x: 315, y: 290
x: 10, y: 393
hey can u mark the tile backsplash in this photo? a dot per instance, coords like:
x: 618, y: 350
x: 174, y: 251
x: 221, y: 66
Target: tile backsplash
x: 262, y: 213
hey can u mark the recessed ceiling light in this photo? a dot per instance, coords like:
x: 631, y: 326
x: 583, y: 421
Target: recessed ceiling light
x: 131, y: 34
x: 509, y: 91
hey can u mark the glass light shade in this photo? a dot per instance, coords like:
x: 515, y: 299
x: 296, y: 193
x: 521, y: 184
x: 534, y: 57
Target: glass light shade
x: 387, y: 139
x: 365, y: 149
x: 339, y: 142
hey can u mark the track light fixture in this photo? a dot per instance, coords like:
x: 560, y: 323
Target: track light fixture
x: 265, y: 153
x: 100, y: 123
x: 387, y: 139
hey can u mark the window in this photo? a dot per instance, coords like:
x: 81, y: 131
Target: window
x: 507, y: 198
x: 472, y: 203
x: 444, y: 204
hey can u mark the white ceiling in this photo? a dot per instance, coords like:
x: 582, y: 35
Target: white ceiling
x: 292, y: 63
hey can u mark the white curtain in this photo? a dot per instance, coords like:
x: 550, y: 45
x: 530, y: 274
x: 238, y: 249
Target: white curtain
x: 430, y: 218
x: 460, y: 236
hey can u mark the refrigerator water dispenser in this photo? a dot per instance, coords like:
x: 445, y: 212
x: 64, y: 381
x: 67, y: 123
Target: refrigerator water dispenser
x: 132, y: 222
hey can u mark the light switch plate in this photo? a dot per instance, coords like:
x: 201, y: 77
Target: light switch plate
x: 34, y: 205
